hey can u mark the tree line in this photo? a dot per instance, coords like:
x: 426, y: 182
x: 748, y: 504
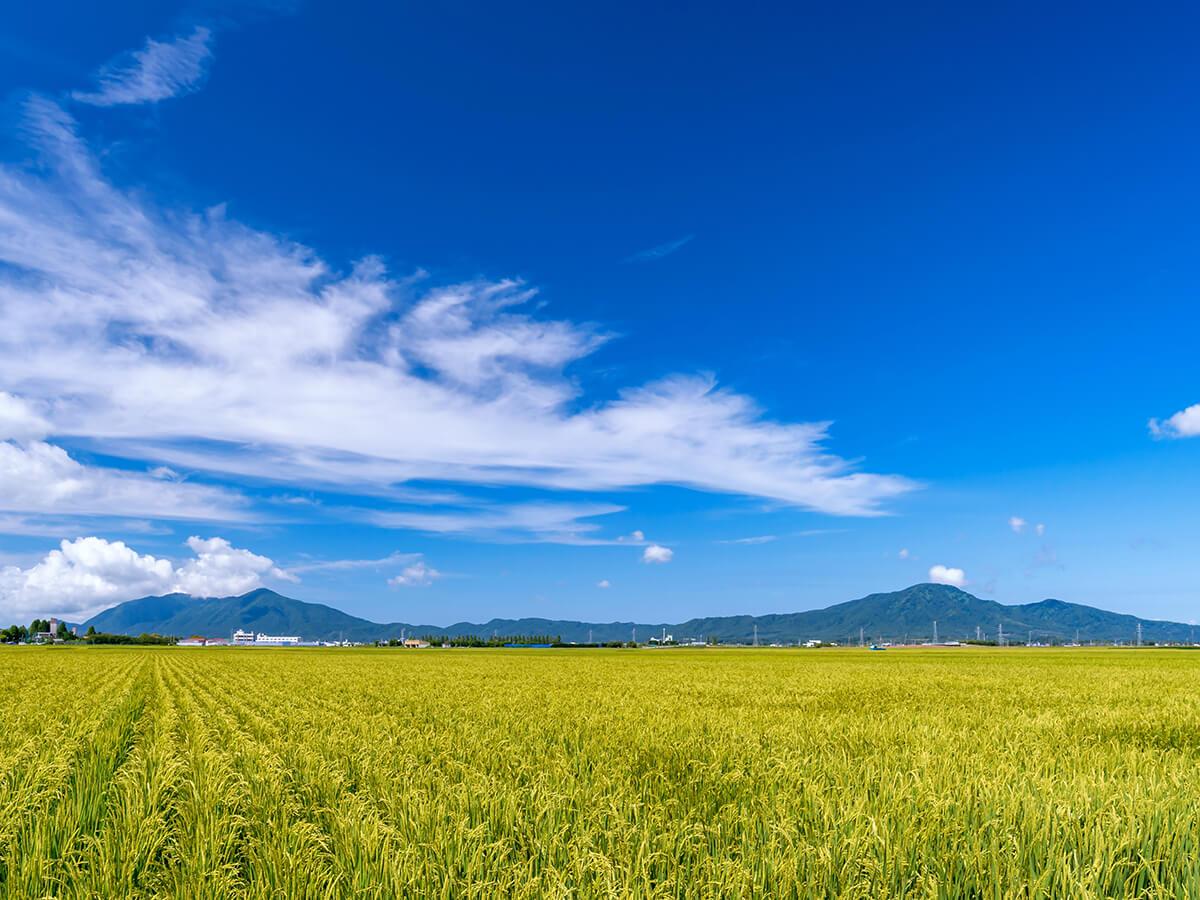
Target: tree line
x: 22, y: 634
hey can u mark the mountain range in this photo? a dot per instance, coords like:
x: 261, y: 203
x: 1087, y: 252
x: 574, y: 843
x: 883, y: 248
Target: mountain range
x: 905, y: 615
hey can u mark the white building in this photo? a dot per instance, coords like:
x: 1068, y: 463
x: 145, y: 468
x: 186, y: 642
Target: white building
x: 250, y: 639
x: 275, y: 640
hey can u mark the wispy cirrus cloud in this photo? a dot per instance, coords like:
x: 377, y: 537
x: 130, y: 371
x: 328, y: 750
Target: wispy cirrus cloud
x: 658, y: 252
x: 38, y: 477
x: 550, y: 523
x: 753, y: 539
x: 347, y: 565
x: 159, y: 71
x: 172, y: 337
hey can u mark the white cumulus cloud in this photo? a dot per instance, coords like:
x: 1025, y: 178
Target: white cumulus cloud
x: 1017, y: 524
x: 81, y: 575
x: 87, y: 574
x: 1183, y: 424
x: 947, y: 575
x: 160, y: 70
x: 416, y: 575
x: 221, y: 570
x: 656, y: 554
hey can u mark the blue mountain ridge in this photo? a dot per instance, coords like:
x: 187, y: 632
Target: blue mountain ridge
x: 906, y: 614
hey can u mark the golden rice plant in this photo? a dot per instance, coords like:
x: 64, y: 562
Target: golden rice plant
x: 152, y: 772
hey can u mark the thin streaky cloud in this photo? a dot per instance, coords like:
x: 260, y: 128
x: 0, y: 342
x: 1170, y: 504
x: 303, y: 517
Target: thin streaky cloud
x: 343, y: 565
x: 159, y: 71
x: 551, y: 523
x: 756, y: 539
x: 655, y: 253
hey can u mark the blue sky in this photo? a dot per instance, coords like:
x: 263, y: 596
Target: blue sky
x: 451, y: 312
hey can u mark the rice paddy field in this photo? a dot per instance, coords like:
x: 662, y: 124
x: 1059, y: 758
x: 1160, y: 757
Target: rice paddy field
x: 153, y: 772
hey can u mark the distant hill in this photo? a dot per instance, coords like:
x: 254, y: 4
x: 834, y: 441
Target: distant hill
x: 896, y: 616
x: 261, y: 610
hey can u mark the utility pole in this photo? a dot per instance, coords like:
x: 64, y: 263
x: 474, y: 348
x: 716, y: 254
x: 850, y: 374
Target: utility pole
x: 755, y: 634
x: 1029, y: 643
x: 1139, y: 634
x: 634, y: 641
x: 977, y: 637
x: 935, y: 640
x: 1000, y: 639
x: 589, y: 635
x: 860, y: 638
